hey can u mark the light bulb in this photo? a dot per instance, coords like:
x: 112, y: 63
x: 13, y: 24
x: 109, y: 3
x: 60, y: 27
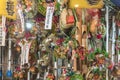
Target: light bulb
x: 76, y: 5
x: 29, y: 25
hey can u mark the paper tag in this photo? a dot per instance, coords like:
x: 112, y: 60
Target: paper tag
x: 2, y: 31
x: 55, y: 64
x: 27, y: 48
x: 20, y: 13
x: 48, y: 19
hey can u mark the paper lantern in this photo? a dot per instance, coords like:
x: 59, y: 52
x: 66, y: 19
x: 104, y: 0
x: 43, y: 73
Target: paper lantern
x: 84, y: 4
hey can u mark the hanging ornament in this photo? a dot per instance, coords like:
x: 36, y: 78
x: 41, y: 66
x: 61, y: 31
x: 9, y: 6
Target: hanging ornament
x: 10, y: 7
x: 21, y: 16
x: 9, y: 73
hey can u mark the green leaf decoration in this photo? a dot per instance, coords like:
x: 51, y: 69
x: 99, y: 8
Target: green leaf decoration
x: 91, y: 56
x: 76, y: 77
x: 57, y: 7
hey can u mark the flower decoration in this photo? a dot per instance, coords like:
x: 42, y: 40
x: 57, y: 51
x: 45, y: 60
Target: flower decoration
x: 99, y: 36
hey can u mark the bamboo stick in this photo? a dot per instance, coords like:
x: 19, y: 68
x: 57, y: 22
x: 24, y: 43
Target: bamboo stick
x: 119, y: 51
x: 107, y: 34
x: 113, y: 39
x: 84, y: 36
x: 9, y: 55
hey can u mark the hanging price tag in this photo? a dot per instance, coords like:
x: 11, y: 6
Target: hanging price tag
x: 49, y: 14
x: 2, y: 31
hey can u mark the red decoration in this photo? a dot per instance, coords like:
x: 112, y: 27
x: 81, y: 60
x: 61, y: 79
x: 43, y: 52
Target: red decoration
x: 70, y: 19
x: 99, y: 36
x: 118, y: 23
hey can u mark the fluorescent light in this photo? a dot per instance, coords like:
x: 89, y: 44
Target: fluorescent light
x: 76, y: 5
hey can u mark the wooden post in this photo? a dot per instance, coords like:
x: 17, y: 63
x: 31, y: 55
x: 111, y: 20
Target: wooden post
x: 78, y: 35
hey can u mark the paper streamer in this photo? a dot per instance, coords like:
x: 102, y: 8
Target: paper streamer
x: 27, y: 48
x: 49, y: 15
x: 20, y: 12
x: 113, y: 39
x: 22, y: 53
x: 2, y: 31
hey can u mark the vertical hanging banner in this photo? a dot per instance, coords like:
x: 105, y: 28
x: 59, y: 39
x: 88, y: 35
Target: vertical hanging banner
x: 49, y: 15
x: 2, y: 31
x: 8, y: 8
